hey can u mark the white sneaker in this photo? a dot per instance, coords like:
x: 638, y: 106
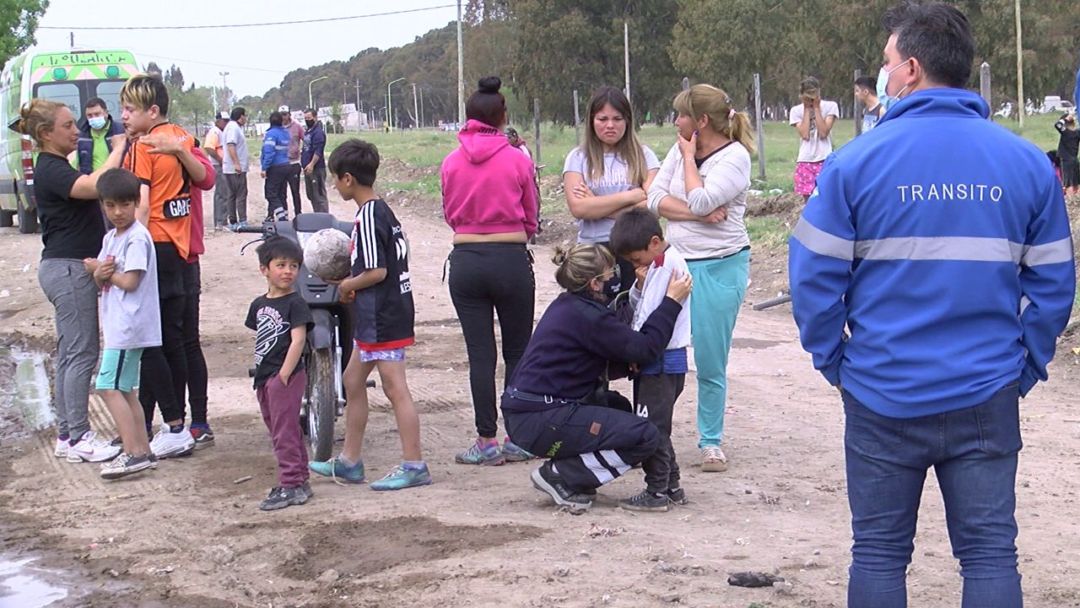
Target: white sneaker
x: 61, y: 450
x: 713, y: 459
x: 167, y: 444
x: 91, y: 449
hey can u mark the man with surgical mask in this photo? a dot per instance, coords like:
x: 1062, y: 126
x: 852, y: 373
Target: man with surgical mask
x: 313, y: 160
x: 95, y: 129
x: 931, y: 274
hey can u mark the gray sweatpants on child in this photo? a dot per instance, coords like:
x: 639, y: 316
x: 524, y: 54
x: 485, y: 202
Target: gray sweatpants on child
x: 654, y: 398
x: 74, y: 295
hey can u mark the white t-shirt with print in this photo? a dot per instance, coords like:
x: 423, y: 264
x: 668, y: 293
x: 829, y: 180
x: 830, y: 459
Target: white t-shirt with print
x: 814, y: 149
x: 615, y: 179
x: 131, y: 319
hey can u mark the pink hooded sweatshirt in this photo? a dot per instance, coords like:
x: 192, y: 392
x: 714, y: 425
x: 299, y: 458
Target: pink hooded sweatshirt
x: 488, y: 185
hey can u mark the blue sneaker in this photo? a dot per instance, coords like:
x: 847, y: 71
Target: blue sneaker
x: 489, y: 454
x: 403, y: 477
x: 515, y: 453
x: 338, y: 470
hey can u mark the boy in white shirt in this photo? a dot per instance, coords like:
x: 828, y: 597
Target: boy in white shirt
x: 126, y: 272
x: 638, y: 237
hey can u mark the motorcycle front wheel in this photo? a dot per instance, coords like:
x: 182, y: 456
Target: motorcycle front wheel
x: 321, y: 403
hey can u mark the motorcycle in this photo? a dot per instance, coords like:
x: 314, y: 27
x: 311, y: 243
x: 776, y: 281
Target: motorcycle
x: 330, y: 342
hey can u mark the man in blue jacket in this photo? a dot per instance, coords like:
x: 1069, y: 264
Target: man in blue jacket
x: 931, y: 274
x: 313, y: 159
x: 275, y: 167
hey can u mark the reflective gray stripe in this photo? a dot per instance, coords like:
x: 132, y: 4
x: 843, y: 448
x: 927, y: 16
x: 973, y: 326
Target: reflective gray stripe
x: 1056, y: 252
x: 823, y: 243
x: 1024, y: 303
x: 959, y: 248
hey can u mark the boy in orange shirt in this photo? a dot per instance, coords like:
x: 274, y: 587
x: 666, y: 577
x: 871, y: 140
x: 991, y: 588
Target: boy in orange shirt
x: 165, y: 209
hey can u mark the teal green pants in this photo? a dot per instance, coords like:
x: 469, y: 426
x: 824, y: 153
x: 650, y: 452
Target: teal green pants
x: 719, y: 289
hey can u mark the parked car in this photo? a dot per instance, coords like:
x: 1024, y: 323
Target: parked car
x: 1053, y: 103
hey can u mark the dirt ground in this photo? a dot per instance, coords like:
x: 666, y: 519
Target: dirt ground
x: 189, y: 534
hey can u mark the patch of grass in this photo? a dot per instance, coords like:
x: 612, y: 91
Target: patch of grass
x: 768, y: 231
x: 427, y: 185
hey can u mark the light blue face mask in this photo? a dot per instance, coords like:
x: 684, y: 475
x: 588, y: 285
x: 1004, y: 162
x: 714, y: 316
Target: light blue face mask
x: 883, y: 84
x: 97, y: 122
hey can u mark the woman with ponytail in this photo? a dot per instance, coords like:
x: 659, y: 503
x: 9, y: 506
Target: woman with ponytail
x: 552, y: 407
x: 701, y: 190
x: 490, y: 200
x: 72, y: 229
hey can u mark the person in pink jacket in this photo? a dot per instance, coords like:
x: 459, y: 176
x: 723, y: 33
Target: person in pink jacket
x: 490, y: 200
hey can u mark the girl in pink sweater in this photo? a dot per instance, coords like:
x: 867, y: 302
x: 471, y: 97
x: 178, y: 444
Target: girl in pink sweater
x: 490, y: 200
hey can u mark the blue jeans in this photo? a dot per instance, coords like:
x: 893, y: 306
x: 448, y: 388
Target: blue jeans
x: 974, y: 454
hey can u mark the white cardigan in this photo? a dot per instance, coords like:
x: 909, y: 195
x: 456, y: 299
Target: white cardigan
x: 726, y: 178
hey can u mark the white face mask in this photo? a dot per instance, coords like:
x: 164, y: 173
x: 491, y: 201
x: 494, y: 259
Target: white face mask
x: 883, y: 85
x: 97, y: 122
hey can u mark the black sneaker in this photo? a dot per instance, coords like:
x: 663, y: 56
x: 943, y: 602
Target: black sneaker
x: 677, y: 496
x: 646, y: 501
x: 306, y: 487
x: 280, y: 498
x: 117, y: 442
x: 545, y: 480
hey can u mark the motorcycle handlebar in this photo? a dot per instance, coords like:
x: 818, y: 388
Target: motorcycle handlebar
x: 248, y: 229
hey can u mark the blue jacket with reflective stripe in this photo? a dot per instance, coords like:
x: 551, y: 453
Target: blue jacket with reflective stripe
x: 939, y: 242
x: 275, y: 148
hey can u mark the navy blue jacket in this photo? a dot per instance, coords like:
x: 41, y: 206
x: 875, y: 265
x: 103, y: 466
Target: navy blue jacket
x: 940, y: 241
x: 85, y: 147
x: 578, y: 336
x: 314, y: 143
x: 275, y: 148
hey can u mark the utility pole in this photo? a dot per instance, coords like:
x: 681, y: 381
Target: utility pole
x: 460, y: 72
x: 626, y: 54
x: 72, y: 36
x: 359, y: 108
x: 421, y: 106
x: 1019, y: 67
x: 415, y: 107
x: 224, y: 87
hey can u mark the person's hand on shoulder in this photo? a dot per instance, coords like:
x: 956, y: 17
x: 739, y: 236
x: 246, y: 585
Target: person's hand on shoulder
x: 118, y: 140
x: 164, y: 143
x: 679, y: 287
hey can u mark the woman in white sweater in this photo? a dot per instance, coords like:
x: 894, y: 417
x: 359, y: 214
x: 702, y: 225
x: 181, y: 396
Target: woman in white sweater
x: 701, y: 190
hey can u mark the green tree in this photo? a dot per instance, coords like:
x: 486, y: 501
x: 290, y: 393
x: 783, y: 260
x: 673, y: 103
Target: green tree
x: 18, y: 22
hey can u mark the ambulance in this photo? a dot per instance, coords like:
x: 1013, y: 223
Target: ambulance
x: 71, y: 77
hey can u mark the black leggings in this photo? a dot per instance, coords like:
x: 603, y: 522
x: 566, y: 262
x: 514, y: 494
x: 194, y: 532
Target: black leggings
x: 197, y: 379
x: 489, y: 278
x: 163, y: 377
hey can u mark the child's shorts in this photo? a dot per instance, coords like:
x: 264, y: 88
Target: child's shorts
x: 119, y: 369
x: 366, y: 356
x: 806, y: 175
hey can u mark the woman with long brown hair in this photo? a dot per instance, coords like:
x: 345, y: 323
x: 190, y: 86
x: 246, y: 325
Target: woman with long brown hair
x: 609, y: 172
x: 72, y: 228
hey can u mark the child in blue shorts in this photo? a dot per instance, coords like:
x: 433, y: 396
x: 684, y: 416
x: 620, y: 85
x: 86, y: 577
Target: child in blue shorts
x: 126, y: 272
x: 380, y: 291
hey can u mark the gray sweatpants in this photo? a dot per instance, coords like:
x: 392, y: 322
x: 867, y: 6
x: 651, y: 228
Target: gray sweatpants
x: 316, y: 189
x: 73, y: 294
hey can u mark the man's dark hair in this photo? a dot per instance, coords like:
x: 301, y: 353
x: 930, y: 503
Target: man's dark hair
x: 237, y: 113
x: 276, y: 119
x: 119, y: 186
x: 867, y: 83
x: 936, y: 34
x: 278, y: 247
x: 357, y: 158
x: 312, y: 112
x: 633, y: 231
x: 96, y: 102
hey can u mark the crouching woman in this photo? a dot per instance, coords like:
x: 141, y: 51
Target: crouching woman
x: 550, y: 408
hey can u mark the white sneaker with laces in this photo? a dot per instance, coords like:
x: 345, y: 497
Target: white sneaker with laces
x: 167, y: 444
x: 713, y: 459
x: 91, y: 449
x: 61, y: 450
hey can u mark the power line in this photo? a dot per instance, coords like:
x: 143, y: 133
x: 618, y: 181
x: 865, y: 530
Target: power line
x: 240, y: 25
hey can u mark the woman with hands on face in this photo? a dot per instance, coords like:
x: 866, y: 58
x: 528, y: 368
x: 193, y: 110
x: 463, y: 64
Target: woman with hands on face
x: 608, y: 173
x: 701, y: 190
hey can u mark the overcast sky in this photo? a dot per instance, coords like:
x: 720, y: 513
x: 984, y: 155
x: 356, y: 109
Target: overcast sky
x: 256, y: 58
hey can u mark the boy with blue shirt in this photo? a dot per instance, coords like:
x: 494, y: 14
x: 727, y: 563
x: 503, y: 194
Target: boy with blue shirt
x: 126, y: 272
x: 638, y: 237
x: 380, y: 291
x: 275, y: 167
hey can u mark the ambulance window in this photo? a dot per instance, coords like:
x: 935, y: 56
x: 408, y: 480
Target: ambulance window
x: 110, y: 92
x: 65, y: 92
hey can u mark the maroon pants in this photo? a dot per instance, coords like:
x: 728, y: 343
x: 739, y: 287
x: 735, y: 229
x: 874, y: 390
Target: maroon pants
x: 280, y: 407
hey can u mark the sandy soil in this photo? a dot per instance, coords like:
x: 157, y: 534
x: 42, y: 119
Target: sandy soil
x: 187, y: 535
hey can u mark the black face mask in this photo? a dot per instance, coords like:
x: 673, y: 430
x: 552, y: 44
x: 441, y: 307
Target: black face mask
x: 309, y: 123
x: 609, y: 290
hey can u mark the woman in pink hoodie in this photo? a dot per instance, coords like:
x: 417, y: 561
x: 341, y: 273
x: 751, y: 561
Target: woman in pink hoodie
x: 490, y: 201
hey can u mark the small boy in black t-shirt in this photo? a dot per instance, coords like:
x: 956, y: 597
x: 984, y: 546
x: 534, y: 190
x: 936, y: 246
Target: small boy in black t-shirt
x: 380, y: 291
x: 281, y: 320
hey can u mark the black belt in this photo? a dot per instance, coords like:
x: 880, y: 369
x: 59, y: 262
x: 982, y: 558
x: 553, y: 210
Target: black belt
x: 548, y: 399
